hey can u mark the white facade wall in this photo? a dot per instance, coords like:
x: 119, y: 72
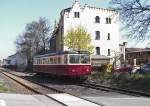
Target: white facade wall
x: 13, y: 60
x: 87, y: 20
x: 18, y: 60
x: 21, y: 59
x: 1, y: 63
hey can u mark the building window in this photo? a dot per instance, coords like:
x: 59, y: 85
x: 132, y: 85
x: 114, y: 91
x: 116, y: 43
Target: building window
x: 76, y: 14
x: 97, y: 19
x: 97, y: 37
x: 97, y: 50
x: 108, y: 20
x: 108, y: 52
x: 108, y: 36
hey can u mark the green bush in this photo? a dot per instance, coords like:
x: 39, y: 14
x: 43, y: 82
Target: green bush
x: 124, y: 80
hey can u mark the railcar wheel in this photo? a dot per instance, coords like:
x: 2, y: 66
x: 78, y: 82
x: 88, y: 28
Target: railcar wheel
x: 40, y: 73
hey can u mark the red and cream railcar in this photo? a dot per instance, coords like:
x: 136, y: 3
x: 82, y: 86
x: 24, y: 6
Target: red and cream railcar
x: 63, y: 64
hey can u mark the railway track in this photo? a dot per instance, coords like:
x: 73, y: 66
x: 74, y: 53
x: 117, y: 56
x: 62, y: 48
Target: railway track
x: 119, y: 90
x: 31, y: 88
x: 86, y: 84
x: 31, y: 85
x: 90, y: 85
x: 17, y: 78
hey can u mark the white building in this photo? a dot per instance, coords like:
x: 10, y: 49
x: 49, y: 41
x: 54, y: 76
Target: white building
x: 16, y: 61
x: 102, y: 24
x: 1, y: 63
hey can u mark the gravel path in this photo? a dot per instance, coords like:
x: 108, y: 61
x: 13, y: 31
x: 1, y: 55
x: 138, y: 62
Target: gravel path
x: 14, y: 87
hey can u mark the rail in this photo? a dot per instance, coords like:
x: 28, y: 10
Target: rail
x: 120, y: 90
x: 8, y: 74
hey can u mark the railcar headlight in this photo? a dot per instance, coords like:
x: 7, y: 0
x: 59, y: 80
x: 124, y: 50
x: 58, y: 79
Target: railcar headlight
x: 87, y: 70
x: 73, y: 70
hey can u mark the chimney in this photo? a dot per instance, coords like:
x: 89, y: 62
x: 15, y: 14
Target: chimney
x: 125, y: 44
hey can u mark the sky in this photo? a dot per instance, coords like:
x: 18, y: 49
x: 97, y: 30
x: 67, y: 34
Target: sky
x: 15, y: 14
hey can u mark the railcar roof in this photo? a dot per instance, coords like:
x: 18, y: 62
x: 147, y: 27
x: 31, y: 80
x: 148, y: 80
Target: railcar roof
x: 60, y: 53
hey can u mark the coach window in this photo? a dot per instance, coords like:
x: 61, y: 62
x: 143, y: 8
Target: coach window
x: 55, y: 60
x: 65, y: 59
x: 41, y: 61
x: 38, y: 61
x: 46, y: 60
x: 51, y: 60
x: 59, y: 59
x: 74, y: 59
x: 35, y: 61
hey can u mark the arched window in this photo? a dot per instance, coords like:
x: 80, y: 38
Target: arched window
x: 76, y: 14
x: 97, y: 19
x: 108, y: 20
x: 97, y: 50
x: 108, y: 52
x: 97, y: 37
x: 108, y: 38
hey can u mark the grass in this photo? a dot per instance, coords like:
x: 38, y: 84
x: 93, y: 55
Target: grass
x: 4, y: 89
x: 134, y: 81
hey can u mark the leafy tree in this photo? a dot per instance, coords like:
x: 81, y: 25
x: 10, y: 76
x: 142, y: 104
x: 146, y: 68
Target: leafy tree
x: 78, y: 40
x: 135, y: 14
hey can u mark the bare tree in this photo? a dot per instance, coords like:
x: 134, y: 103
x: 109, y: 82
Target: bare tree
x: 40, y: 33
x: 44, y: 30
x: 135, y: 14
x: 24, y: 45
x: 34, y: 40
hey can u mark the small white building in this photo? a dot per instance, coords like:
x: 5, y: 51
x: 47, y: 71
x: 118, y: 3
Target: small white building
x: 101, y: 23
x: 1, y: 63
x: 16, y: 61
x: 5, y: 63
x: 12, y: 60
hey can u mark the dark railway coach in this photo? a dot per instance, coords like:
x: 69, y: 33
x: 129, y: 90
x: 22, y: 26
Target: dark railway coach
x: 74, y: 64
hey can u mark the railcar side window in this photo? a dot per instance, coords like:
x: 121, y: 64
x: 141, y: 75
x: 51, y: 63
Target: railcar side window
x: 44, y: 61
x: 35, y: 61
x: 85, y: 59
x: 51, y: 60
x: 40, y: 61
x: 55, y: 60
x: 59, y: 59
x: 74, y: 58
x: 65, y: 59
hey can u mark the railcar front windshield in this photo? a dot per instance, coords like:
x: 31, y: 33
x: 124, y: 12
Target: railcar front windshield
x: 79, y: 59
x: 84, y: 59
x: 74, y: 59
